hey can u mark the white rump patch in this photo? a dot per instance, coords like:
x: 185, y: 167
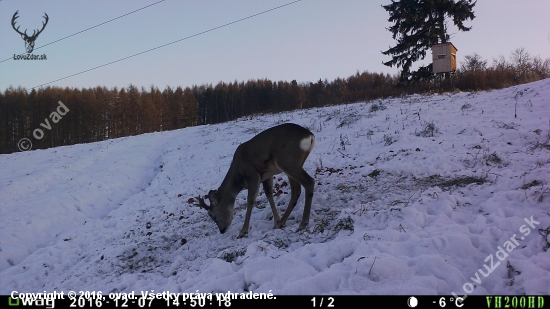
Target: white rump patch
x: 307, y: 143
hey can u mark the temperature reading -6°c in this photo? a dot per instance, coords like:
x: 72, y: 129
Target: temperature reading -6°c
x: 329, y: 302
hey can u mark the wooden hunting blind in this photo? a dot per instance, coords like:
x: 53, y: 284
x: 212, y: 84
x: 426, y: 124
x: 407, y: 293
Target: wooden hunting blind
x: 444, y: 58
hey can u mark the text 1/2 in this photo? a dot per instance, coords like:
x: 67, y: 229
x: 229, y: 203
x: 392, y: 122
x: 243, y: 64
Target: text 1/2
x: 329, y: 303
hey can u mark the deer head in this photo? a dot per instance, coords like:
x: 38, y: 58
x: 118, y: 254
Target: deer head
x: 221, y: 215
x: 29, y: 40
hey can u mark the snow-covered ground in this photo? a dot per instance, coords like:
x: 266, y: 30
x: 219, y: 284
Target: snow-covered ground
x: 415, y: 195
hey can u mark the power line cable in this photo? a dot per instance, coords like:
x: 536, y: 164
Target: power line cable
x: 164, y: 45
x: 103, y: 23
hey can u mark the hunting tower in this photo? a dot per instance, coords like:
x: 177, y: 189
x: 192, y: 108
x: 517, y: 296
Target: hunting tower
x: 444, y: 58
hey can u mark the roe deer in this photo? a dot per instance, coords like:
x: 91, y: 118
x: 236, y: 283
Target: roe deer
x: 283, y: 148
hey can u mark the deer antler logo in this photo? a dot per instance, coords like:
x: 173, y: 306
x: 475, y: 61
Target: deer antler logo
x: 29, y: 40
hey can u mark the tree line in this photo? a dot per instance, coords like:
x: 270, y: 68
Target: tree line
x: 100, y: 113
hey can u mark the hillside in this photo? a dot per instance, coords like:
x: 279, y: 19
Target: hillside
x: 413, y: 195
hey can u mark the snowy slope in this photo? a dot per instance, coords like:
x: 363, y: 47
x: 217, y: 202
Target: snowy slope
x: 414, y: 197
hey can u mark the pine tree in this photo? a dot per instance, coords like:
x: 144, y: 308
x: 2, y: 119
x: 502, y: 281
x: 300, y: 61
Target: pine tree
x: 419, y: 24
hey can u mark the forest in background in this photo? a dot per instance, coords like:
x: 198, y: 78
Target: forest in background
x: 99, y: 113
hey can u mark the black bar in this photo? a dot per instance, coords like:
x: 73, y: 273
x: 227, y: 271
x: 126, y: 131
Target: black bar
x: 238, y: 300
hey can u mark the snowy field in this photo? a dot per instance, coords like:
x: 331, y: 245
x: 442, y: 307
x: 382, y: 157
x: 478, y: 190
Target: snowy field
x: 422, y: 194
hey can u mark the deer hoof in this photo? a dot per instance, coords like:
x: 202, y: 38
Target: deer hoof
x: 243, y: 234
x: 301, y: 227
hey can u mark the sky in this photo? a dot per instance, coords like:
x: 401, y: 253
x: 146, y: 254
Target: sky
x: 304, y: 41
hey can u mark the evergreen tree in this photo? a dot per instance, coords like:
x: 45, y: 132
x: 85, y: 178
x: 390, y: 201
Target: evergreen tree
x: 419, y: 24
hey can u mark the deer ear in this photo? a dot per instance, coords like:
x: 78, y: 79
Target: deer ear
x: 213, y: 197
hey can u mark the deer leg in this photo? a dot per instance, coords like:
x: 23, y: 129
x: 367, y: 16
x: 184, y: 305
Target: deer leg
x: 300, y: 176
x: 309, y: 184
x: 268, y: 189
x: 295, y: 191
x: 253, y: 188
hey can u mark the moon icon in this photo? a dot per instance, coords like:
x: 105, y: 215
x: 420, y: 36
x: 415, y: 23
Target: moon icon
x: 412, y: 302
